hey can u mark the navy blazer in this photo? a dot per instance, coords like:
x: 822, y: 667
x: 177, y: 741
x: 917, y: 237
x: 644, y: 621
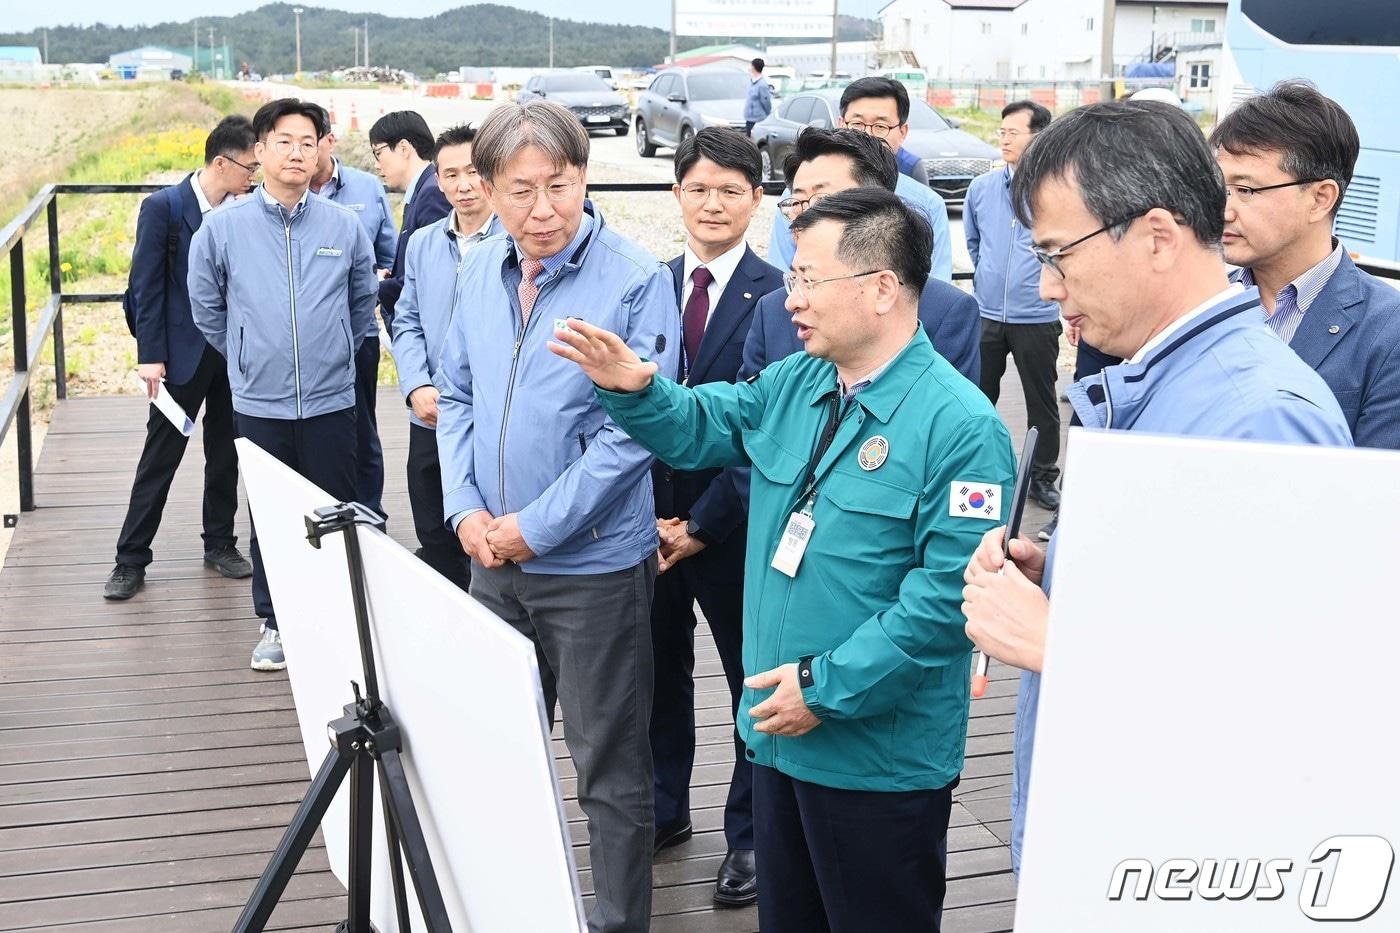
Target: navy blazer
x: 717, y: 499
x: 427, y: 205
x: 1350, y: 334
x: 949, y: 314
x: 160, y: 299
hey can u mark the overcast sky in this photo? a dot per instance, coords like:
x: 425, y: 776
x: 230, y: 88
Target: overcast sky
x: 25, y: 16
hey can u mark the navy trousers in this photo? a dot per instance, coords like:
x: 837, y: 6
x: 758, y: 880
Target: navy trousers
x: 369, y: 476
x: 714, y: 578
x: 847, y: 861
x: 322, y: 449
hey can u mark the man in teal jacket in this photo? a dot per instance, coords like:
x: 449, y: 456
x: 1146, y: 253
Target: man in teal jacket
x: 876, y: 469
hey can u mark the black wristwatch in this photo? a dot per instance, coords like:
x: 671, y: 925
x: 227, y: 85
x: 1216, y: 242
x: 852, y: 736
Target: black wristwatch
x: 804, y: 672
x: 693, y: 529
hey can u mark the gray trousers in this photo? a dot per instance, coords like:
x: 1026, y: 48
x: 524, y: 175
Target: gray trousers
x: 592, y: 636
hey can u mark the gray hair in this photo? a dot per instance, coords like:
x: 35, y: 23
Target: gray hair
x: 539, y: 123
x: 1127, y: 157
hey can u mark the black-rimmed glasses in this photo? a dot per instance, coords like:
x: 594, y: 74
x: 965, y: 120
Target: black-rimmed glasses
x: 1051, y: 258
x: 1246, y: 193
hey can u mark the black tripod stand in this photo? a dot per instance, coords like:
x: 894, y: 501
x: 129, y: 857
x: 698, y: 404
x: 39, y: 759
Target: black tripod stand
x: 364, y: 739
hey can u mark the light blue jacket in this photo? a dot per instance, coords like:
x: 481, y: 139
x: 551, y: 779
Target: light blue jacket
x: 1224, y: 375
x: 758, y: 102
x: 781, y: 247
x: 364, y: 194
x: 1007, y: 279
x: 431, y: 264
x: 521, y: 430
x: 287, y: 299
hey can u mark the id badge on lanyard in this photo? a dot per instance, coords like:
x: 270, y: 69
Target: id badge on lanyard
x: 794, y: 541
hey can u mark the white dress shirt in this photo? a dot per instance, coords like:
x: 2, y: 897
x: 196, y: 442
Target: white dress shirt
x: 721, y: 268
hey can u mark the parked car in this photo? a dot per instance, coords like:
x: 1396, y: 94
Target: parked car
x: 680, y: 101
x: 953, y: 158
x: 604, y: 73
x: 597, y: 106
x: 782, y: 80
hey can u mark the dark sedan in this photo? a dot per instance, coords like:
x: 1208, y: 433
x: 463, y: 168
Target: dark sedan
x: 953, y: 158
x: 597, y: 106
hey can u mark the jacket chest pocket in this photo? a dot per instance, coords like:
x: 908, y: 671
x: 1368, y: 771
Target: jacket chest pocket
x: 778, y: 465
x: 865, y: 521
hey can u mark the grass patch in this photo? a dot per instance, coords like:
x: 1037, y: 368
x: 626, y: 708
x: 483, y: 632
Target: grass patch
x: 978, y: 122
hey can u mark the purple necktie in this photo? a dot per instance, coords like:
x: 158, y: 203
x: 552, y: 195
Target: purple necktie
x: 697, y: 309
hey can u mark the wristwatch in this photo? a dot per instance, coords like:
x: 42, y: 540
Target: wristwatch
x: 804, y: 672
x: 693, y: 529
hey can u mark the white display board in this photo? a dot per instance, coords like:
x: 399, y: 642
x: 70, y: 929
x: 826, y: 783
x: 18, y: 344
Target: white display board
x: 1219, y: 685
x: 464, y: 688
x: 773, y: 19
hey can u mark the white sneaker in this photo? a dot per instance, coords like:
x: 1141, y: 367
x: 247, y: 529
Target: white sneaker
x: 268, y: 655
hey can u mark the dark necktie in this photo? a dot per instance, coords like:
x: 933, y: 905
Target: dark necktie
x: 697, y: 309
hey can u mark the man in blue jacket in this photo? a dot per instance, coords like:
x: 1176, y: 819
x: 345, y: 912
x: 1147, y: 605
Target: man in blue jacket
x: 282, y: 284
x: 880, y: 107
x: 1126, y: 207
x: 552, y: 501
x: 701, y: 513
x: 758, y: 103
x: 364, y: 194
x: 1288, y: 157
x: 435, y: 254
x: 1015, y: 318
x: 402, y: 146
x: 170, y: 350
x: 823, y: 163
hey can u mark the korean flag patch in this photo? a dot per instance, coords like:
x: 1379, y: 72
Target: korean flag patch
x: 974, y: 500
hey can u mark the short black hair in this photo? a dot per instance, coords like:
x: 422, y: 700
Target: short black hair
x: 403, y: 124
x: 1313, y: 135
x: 726, y: 147
x: 234, y: 134
x: 324, y: 122
x: 272, y: 111
x: 758, y: 64
x: 881, y: 232
x: 453, y: 136
x: 1127, y: 157
x: 1040, y: 114
x: 880, y: 88
x: 873, y: 164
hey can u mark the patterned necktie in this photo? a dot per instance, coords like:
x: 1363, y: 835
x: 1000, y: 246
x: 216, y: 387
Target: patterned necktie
x: 697, y: 309
x: 528, y: 290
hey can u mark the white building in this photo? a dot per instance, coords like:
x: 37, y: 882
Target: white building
x: 856, y: 58
x: 149, y: 61
x: 1041, y: 40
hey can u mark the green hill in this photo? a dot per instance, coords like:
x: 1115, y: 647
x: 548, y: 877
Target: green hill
x: 483, y: 35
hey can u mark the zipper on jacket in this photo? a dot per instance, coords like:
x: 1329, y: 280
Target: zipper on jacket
x: 1006, y: 275
x: 510, y: 393
x: 292, y: 297
x: 241, y: 370
x: 1107, y: 406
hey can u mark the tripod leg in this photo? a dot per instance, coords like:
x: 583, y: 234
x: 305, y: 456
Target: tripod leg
x: 420, y: 862
x: 293, y: 845
x: 391, y: 834
x: 361, y: 843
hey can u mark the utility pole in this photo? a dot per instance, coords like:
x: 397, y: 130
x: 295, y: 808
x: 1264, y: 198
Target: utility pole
x: 297, y: 11
x: 355, y: 32
x: 194, y: 61
x: 216, y: 75
x: 1106, y: 51
x: 551, y: 42
x: 672, y: 59
x: 46, y: 46
x: 366, y: 41
x: 835, y: 4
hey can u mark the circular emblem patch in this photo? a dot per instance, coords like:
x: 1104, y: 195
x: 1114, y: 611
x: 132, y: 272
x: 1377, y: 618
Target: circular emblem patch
x: 873, y: 453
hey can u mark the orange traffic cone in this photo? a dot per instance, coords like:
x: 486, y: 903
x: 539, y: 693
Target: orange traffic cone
x: 354, y: 120
x: 333, y: 120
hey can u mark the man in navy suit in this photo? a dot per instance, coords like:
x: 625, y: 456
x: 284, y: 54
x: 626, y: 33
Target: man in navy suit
x: 828, y: 161
x: 170, y: 349
x: 701, y: 514
x: 402, y: 146
x: 1288, y: 157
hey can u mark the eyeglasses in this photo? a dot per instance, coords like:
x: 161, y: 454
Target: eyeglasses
x: 728, y: 194
x: 556, y: 192
x: 797, y: 285
x: 1246, y: 194
x: 379, y: 150
x: 1009, y: 134
x: 285, y: 147
x: 791, y: 207
x: 878, y: 130
x: 1051, y: 259
x: 250, y: 169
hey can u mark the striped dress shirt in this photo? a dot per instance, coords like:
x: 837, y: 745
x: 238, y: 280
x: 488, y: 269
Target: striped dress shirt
x: 1294, y: 299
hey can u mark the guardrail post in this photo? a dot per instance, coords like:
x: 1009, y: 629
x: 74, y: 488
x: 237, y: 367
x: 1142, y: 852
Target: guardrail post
x: 60, y: 364
x: 20, y: 332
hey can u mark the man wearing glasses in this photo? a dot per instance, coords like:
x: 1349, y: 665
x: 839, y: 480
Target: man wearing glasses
x: 876, y: 469
x: 1288, y: 157
x: 170, y: 350
x: 1125, y: 207
x: 701, y: 514
x: 282, y: 284
x: 1016, y: 320
x: 551, y: 500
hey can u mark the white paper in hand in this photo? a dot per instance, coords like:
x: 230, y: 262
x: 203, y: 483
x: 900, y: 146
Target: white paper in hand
x: 170, y: 408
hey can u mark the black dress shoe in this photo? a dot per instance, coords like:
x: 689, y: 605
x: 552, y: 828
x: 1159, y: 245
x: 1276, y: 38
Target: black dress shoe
x: 124, y: 581
x: 229, y: 562
x: 672, y: 834
x: 1044, y: 492
x: 737, y: 883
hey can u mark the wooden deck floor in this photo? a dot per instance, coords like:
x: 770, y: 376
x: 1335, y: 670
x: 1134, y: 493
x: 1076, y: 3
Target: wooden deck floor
x: 146, y: 773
